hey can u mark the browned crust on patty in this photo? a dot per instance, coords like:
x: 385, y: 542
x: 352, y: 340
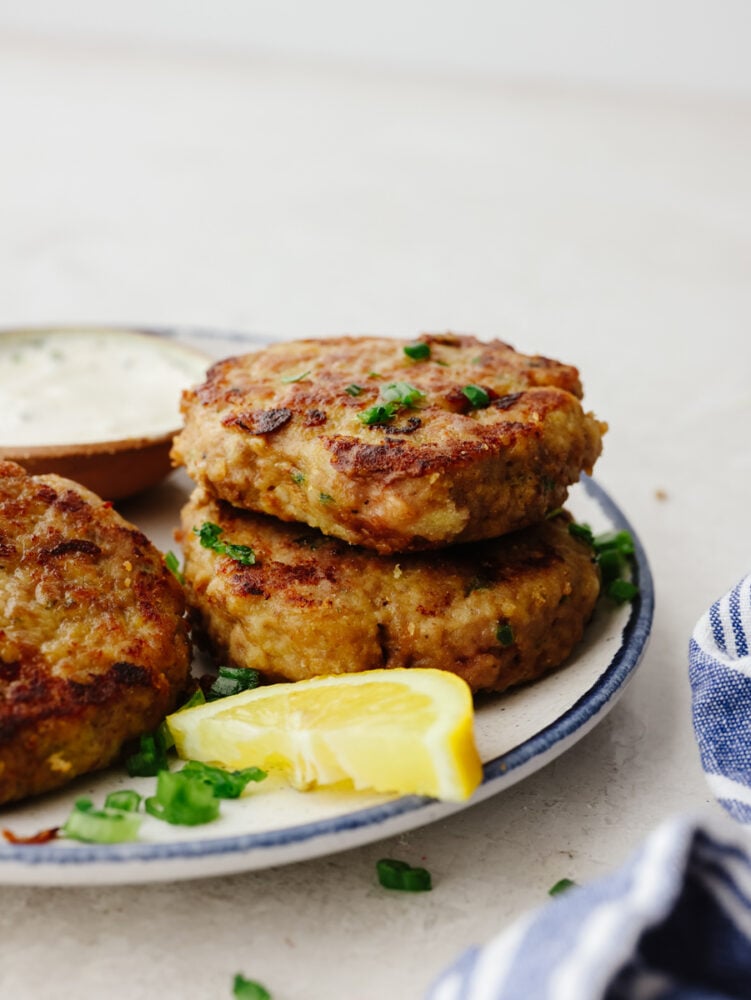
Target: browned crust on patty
x: 438, y: 473
x: 93, y: 640
x: 314, y: 605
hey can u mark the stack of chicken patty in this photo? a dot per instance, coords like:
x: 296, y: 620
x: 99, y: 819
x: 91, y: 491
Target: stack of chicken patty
x: 374, y: 502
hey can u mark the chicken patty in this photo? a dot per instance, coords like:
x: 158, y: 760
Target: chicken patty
x: 391, y: 445
x: 497, y: 613
x: 94, y: 643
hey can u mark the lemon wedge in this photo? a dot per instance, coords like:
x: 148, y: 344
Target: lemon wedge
x: 399, y: 730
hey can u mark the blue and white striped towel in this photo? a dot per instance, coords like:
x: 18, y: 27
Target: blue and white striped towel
x: 674, y: 923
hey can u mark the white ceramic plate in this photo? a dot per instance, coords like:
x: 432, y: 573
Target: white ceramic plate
x: 516, y: 734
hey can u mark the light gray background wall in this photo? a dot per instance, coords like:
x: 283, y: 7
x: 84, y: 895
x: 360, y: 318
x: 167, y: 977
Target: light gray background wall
x: 689, y: 45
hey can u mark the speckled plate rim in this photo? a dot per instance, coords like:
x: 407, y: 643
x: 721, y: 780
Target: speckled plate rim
x: 200, y: 857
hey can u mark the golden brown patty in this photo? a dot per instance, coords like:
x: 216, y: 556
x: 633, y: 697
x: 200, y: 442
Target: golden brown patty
x: 93, y: 639
x: 497, y: 612
x: 279, y: 432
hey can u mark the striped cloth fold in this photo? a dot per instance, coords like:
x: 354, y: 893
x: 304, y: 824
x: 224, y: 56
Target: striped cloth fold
x: 674, y: 922
x: 720, y: 675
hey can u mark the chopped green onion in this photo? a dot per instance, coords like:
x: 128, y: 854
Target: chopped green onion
x: 504, y: 634
x: 208, y: 535
x: 197, y: 698
x: 353, y: 390
x: 173, y: 565
x: 100, y: 826
x: 613, y: 551
x: 561, y: 886
x: 182, y: 800
x: 403, y: 393
x: 126, y: 800
x: 248, y: 989
x: 295, y: 378
x: 297, y: 477
x: 325, y: 498
x: 477, y: 396
x: 233, y: 680
x: 150, y: 759
x: 225, y: 784
x: 395, y: 396
x: 394, y: 874
x: 583, y: 532
x: 611, y: 564
x: 378, y: 414
x: 418, y: 352
x: 622, y: 590
x: 620, y: 541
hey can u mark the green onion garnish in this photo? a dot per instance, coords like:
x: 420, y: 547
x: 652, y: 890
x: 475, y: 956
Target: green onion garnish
x: 353, y: 390
x: 233, y: 680
x: 561, y: 886
x: 504, y: 634
x: 613, y: 551
x: 583, y: 532
x: 151, y: 758
x: 402, y: 393
x: 225, y: 784
x: 295, y: 378
x: 418, y: 352
x: 100, y: 826
x: 297, y: 477
x: 394, y: 874
x: 208, y: 535
x: 325, y: 498
x: 620, y: 541
x: 622, y: 590
x: 173, y: 565
x: 477, y: 396
x: 248, y: 989
x: 197, y: 698
x: 182, y: 801
x: 395, y: 396
x: 378, y: 414
x: 126, y: 800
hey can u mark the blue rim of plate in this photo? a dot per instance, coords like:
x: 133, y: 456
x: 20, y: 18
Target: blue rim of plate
x: 584, y: 710
x: 611, y: 680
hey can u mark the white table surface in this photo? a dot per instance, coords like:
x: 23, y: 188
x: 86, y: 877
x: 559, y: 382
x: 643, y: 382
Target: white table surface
x: 610, y: 230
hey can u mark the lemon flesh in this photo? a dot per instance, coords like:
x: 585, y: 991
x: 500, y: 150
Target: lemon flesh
x: 402, y: 730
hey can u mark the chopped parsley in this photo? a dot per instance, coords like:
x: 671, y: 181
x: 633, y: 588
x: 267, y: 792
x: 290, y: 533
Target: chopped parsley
x: 477, y: 396
x: 208, y: 535
x: 393, y: 874
x: 418, y: 352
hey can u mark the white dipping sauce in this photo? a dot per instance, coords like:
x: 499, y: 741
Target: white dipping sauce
x: 60, y: 387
